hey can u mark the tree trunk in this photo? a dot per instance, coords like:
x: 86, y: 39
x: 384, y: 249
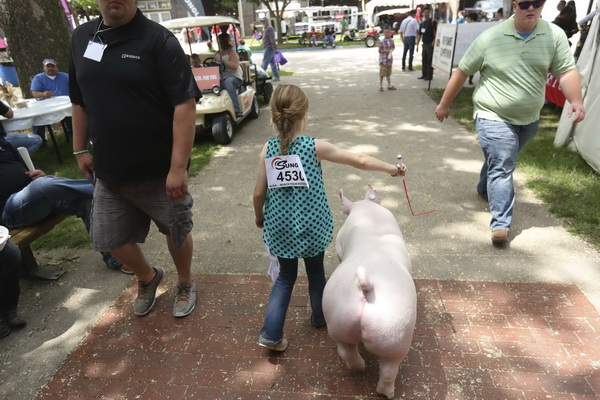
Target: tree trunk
x: 36, y: 29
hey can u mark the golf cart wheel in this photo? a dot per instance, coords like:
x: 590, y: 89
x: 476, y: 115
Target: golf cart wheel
x: 222, y: 128
x: 255, y: 108
x: 267, y: 91
x: 370, y: 41
x: 347, y: 39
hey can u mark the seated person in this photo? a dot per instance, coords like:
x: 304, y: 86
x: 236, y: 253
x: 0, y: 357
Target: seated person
x: 10, y: 269
x: 247, y: 49
x: 329, y: 36
x: 313, y: 36
x: 195, y: 61
x: 28, y: 197
x: 48, y: 84
x: 30, y: 141
x: 232, y: 71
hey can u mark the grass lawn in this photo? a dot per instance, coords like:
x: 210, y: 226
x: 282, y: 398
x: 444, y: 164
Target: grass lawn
x: 559, y: 176
x: 71, y: 232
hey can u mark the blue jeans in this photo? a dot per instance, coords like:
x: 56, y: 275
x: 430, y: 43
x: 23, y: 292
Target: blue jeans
x: 329, y: 38
x: 409, y: 45
x: 269, y: 59
x: 501, y: 143
x: 232, y: 84
x: 281, y: 293
x: 30, y: 141
x: 10, y: 268
x: 45, y: 196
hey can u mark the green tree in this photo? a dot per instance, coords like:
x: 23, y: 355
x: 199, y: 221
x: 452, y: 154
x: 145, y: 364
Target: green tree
x: 36, y: 29
x: 84, y: 9
x: 276, y: 10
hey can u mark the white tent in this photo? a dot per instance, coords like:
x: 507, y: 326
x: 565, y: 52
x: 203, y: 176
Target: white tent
x: 370, y: 6
x: 585, y: 135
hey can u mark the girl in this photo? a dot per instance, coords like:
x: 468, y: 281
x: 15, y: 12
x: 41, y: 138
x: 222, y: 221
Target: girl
x: 291, y: 206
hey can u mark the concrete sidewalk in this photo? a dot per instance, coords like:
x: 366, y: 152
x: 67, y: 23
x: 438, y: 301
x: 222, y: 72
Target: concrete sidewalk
x: 515, y: 323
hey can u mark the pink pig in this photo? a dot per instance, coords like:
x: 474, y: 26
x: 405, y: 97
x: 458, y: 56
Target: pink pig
x: 371, y: 297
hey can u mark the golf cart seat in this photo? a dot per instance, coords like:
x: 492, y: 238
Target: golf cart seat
x: 243, y: 54
x: 246, y: 78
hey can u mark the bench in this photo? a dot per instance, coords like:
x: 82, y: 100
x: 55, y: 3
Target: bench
x: 23, y: 237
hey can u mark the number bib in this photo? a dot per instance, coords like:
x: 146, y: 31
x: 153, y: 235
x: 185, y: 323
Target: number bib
x: 285, y: 171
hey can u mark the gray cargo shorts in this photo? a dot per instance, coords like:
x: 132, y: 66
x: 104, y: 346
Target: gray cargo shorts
x: 121, y: 214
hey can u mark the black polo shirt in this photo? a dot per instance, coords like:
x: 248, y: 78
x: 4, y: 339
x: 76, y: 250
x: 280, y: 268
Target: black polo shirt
x: 427, y: 30
x: 129, y: 96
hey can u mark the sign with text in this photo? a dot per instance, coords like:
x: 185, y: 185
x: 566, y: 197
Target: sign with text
x: 443, y: 47
x: 452, y: 42
x: 206, y: 78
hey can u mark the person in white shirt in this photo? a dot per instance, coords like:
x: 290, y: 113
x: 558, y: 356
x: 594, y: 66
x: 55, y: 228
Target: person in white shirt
x: 408, y: 32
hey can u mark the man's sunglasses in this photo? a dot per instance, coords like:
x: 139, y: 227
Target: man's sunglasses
x: 524, y: 5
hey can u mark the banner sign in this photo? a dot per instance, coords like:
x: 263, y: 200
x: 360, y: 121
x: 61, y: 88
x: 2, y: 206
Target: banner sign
x: 452, y: 42
x: 443, y: 47
x: 195, y: 7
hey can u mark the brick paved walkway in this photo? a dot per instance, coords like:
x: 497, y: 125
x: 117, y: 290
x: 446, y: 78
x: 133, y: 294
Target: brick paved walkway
x: 473, y: 340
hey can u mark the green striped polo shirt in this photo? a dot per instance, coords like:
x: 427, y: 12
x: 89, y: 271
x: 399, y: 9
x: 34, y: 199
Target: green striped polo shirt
x: 514, y: 70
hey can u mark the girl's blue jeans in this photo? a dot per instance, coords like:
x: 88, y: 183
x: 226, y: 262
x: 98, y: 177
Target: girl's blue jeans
x: 281, y: 293
x: 501, y: 143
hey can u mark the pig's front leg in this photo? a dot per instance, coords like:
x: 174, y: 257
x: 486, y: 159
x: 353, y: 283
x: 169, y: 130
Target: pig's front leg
x: 388, y: 371
x: 349, y: 353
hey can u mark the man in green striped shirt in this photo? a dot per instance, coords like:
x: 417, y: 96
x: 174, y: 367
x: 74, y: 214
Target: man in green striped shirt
x: 514, y: 58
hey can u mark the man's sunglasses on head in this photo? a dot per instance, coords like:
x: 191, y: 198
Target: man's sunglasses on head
x: 524, y: 5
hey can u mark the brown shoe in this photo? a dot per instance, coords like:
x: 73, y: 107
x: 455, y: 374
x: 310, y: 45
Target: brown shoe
x: 500, y: 236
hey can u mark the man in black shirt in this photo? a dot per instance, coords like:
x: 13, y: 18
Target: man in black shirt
x: 134, y: 97
x: 427, y: 34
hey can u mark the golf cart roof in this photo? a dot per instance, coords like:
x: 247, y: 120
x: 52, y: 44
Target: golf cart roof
x: 193, y: 22
x: 393, y: 11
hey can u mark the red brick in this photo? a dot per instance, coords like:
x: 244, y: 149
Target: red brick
x: 312, y: 384
x: 594, y: 383
x: 547, y: 396
x: 498, y: 394
x: 527, y: 321
x: 489, y: 320
x: 206, y: 393
x: 119, y: 372
x: 157, y: 391
x: 85, y: 387
x: 468, y: 377
x: 548, y: 347
x: 453, y: 344
x: 531, y: 365
x: 566, y: 384
x: 571, y: 324
x: 583, y: 351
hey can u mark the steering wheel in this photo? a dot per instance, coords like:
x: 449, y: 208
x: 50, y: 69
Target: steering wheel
x: 210, y: 62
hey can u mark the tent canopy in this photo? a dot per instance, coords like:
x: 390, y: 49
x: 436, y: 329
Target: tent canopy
x: 193, y: 22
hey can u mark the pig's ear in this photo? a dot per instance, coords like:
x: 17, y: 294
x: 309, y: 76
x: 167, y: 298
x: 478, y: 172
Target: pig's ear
x: 372, y: 195
x: 346, y: 204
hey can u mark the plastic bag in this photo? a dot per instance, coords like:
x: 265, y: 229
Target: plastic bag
x: 279, y: 58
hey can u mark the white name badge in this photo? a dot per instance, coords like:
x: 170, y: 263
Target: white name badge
x: 285, y: 171
x: 94, y: 51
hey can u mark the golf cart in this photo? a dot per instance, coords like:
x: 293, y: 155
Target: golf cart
x: 370, y: 36
x: 215, y: 112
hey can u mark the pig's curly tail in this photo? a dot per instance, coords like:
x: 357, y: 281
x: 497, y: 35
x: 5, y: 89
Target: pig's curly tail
x: 289, y: 105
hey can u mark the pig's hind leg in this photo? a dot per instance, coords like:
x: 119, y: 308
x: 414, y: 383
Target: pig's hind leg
x: 349, y: 353
x: 388, y: 370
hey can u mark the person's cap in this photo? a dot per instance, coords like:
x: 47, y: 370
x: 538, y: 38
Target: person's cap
x: 49, y: 61
x: 264, y: 19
